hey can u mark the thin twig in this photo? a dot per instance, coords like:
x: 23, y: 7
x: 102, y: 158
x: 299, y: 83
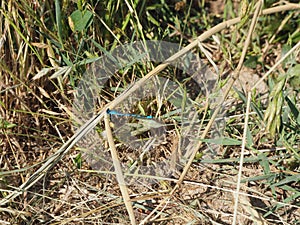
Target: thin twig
x: 275, y: 65
x: 239, y: 67
x: 118, y: 169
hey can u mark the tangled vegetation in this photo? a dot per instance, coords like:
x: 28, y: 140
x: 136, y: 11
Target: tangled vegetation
x: 47, y: 177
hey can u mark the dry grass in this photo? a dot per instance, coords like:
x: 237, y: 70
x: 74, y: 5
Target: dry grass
x: 46, y: 179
